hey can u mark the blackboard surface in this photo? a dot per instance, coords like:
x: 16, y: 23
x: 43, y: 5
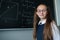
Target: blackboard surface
x: 19, y: 13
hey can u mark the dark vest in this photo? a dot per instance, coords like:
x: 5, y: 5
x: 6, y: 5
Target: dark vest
x: 40, y: 29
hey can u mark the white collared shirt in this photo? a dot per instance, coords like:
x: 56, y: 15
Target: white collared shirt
x: 42, y: 21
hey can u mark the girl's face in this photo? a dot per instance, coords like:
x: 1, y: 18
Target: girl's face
x: 42, y: 11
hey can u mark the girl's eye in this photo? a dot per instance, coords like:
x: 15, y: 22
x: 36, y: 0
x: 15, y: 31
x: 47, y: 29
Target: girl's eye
x: 41, y: 10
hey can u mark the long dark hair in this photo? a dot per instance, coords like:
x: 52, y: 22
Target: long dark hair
x: 47, y: 29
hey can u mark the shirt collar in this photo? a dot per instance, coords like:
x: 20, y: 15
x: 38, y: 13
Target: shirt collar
x: 42, y: 21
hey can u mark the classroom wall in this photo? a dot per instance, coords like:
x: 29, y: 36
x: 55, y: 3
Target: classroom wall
x: 16, y: 34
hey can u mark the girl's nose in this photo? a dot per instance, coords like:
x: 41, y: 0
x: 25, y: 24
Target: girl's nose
x: 41, y: 11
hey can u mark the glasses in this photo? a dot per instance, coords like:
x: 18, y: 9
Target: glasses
x: 41, y: 11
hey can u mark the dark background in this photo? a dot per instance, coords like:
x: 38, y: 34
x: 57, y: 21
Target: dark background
x: 19, y: 13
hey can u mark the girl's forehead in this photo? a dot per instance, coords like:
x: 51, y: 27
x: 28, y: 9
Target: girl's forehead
x: 42, y: 7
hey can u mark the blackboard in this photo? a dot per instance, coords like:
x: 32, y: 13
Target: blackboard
x: 19, y: 13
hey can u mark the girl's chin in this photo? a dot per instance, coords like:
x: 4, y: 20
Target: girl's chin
x: 42, y: 17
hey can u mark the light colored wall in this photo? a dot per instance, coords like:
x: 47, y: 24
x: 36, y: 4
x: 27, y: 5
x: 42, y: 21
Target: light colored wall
x: 16, y: 34
x: 57, y: 11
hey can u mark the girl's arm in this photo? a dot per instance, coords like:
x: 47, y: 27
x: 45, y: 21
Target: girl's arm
x: 55, y: 31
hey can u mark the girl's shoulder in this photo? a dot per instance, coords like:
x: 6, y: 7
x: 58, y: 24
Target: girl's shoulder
x: 53, y: 23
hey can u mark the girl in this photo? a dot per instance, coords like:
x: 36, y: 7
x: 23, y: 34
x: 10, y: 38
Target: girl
x: 44, y: 26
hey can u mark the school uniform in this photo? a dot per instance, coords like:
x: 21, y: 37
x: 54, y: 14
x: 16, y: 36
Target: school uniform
x: 40, y: 28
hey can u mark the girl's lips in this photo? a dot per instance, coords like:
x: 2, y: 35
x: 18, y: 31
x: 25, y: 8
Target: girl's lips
x: 41, y: 15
